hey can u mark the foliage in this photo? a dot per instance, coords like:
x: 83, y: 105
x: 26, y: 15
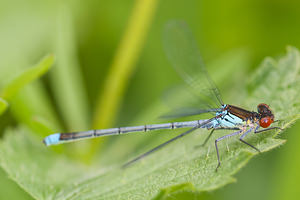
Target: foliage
x: 86, y: 39
x: 47, y: 175
x: 11, y: 89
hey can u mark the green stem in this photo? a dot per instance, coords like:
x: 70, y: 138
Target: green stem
x: 123, y: 64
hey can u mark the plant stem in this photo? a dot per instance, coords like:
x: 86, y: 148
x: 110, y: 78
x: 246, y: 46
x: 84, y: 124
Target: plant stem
x: 123, y: 64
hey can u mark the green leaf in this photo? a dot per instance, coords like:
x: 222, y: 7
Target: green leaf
x: 30, y: 102
x: 66, y: 76
x: 179, y: 166
x: 3, y: 105
x: 27, y: 76
x: 173, y: 190
x: 12, y: 190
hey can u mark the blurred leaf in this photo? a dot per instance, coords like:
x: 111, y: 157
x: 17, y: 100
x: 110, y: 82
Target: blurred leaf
x: 10, y: 190
x: 3, y: 105
x: 124, y: 63
x: 177, y: 167
x: 11, y: 91
x: 40, y: 165
x: 122, y: 67
x: 27, y: 76
x: 21, y: 101
x: 287, y: 168
x: 66, y: 76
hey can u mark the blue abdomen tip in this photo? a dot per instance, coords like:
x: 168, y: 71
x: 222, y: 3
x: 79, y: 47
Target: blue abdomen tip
x: 52, y: 139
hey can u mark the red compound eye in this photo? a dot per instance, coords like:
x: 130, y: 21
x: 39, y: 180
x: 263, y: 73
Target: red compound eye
x: 265, y: 122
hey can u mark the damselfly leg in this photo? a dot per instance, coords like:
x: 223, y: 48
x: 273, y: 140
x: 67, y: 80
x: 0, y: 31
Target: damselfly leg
x: 210, y: 134
x: 158, y: 147
x: 266, y: 129
x: 222, y: 138
x: 244, y: 135
x: 206, y: 140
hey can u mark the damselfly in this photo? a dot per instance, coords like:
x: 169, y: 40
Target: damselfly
x: 182, y: 52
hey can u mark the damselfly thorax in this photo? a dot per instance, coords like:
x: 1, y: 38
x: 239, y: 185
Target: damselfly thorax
x: 233, y: 116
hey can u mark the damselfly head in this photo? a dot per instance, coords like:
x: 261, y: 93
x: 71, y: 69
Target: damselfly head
x: 266, y: 115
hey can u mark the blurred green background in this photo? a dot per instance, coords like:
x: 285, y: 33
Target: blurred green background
x: 86, y: 35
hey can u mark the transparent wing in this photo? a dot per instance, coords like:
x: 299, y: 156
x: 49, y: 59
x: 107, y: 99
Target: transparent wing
x: 183, y: 102
x: 189, y: 111
x: 181, y: 50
